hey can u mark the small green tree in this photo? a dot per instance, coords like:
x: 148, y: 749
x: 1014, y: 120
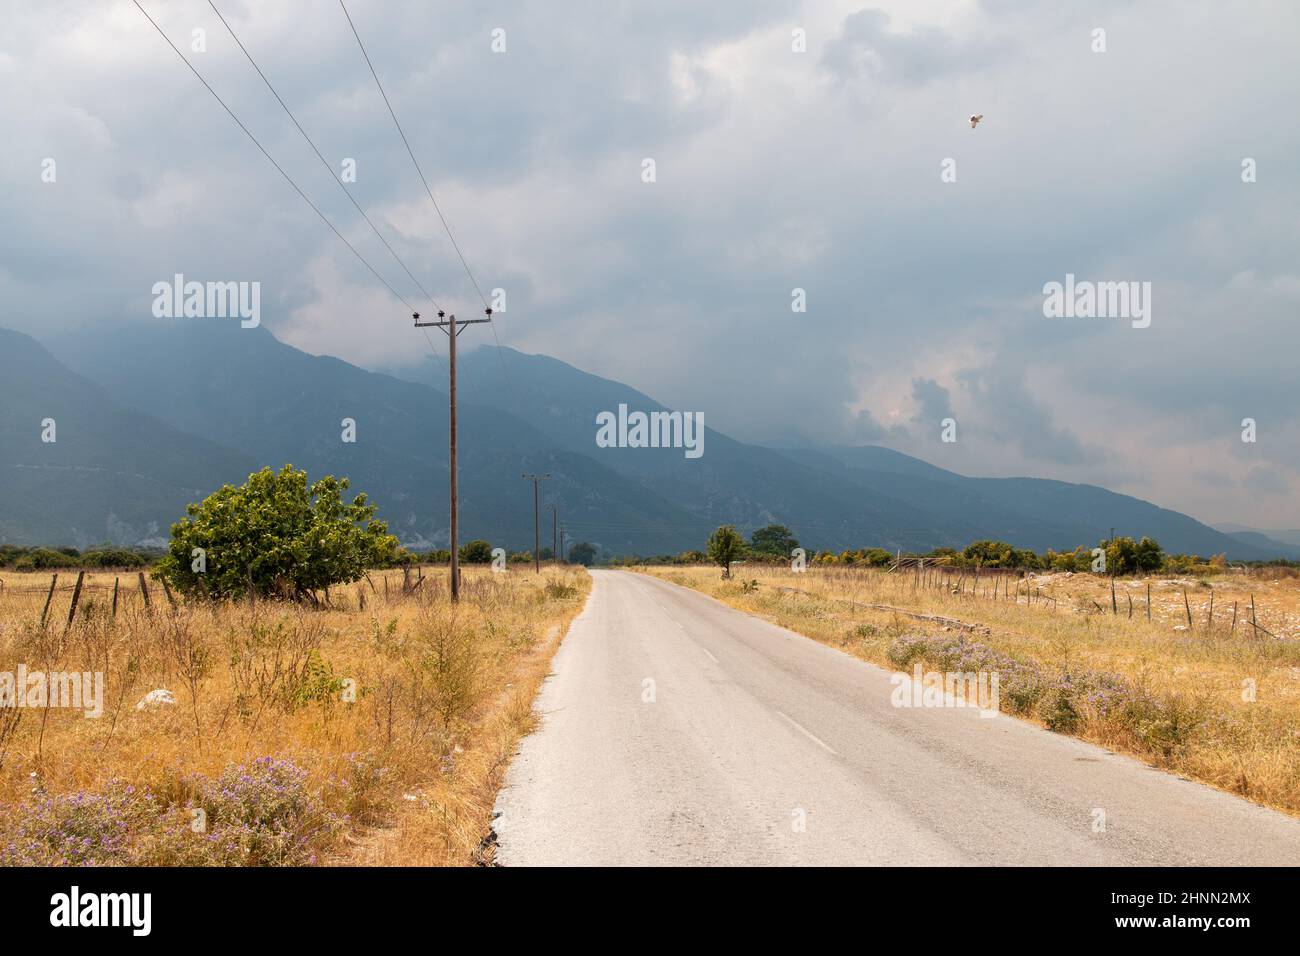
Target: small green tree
x: 775, y: 540
x: 989, y: 554
x: 1149, y: 555
x: 876, y: 557
x: 277, y: 534
x: 477, y: 551
x: 725, y: 546
x: 583, y: 553
x: 1126, y: 556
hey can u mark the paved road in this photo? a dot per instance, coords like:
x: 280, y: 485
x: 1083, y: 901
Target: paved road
x: 764, y: 747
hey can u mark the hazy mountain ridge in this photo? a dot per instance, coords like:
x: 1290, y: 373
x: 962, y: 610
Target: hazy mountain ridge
x: 111, y: 474
x: 185, y: 406
x: 282, y: 405
x: 841, y: 497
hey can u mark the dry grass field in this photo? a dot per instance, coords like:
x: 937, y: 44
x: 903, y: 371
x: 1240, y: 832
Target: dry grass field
x: 372, y: 731
x: 1212, y: 701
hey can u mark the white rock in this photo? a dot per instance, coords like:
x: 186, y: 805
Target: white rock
x: 156, y: 698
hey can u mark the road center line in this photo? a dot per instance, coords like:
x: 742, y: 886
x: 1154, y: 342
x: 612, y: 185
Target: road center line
x: 811, y: 736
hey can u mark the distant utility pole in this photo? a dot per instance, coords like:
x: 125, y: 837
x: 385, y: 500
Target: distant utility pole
x: 562, y: 560
x: 555, y: 541
x: 537, y: 539
x: 453, y: 328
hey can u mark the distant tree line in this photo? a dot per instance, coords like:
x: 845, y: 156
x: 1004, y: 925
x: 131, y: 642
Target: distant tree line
x: 479, y: 551
x: 18, y: 558
x: 775, y: 544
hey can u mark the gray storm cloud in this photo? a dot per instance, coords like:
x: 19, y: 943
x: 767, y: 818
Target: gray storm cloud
x: 776, y: 170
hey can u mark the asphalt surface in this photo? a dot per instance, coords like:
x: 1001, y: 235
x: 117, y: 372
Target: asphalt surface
x: 679, y: 731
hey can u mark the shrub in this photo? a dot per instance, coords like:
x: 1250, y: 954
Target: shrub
x: 277, y: 534
x: 113, y: 558
x: 1164, y: 727
x: 450, y: 664
x: 476, y: 552
x: 1058, y: 710
x: 260, y: 814
x: 77, y: 829
x: 40, y: 559
x: 558, y: 590
x: 366, y: 796
x: 1020, y: 684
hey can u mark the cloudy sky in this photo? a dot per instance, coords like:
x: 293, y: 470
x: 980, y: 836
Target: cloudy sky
x: 776, y: 168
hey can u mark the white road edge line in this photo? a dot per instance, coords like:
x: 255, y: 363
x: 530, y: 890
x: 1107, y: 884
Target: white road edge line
x: 811, y: 736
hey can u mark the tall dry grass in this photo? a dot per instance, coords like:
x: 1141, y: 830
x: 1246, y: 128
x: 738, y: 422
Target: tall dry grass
x: 375, y: 730
x: 1216, y: 703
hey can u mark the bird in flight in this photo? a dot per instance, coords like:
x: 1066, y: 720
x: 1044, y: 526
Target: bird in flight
x: 975, y: 119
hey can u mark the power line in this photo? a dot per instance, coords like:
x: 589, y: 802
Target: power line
x: 324, y: 162
x: 505, y: 374
x: 330, y: 169
x: 446, y: 322
x: 272, y: 161
x: 410, y: 152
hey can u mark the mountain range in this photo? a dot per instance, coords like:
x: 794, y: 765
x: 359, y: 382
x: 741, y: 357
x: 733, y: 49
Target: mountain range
x: 149, y: 416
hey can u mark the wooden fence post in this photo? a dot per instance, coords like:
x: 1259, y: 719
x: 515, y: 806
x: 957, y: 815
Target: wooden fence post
x: 144, y: 590
x: 1188, y: 608
x: 48, y: 598
x: 76, y: 596
x: 116, y: 579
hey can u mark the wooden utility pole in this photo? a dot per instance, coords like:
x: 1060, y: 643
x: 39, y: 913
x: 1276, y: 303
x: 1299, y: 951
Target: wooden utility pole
x: 452, y: 328
x: 455, y: 501
x: 555, y: 540
x: 537, y: 534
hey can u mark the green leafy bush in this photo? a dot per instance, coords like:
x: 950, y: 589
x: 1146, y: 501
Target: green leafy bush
x: 278, y: 535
